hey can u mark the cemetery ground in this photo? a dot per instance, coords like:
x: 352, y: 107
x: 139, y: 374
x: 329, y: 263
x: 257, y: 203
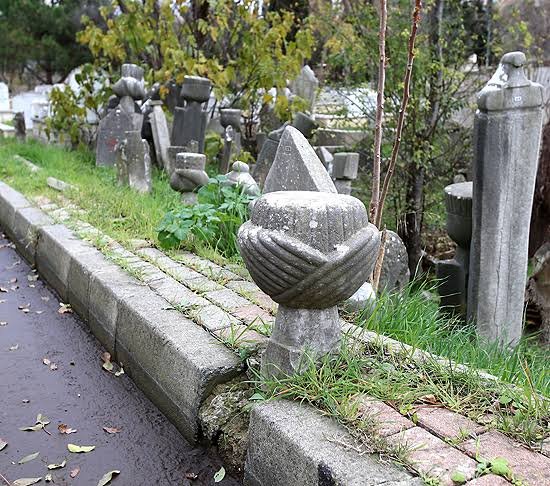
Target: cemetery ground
x: 52, y: 365
x: 123, y: 225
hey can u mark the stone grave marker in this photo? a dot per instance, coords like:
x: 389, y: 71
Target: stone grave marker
x: 453, y: 273
x: 190, y: 118
x: 126, y: 116
x: 305, y: 86
x: 344, y: 170
x: 160, y: 133
x: 134, y: 162
x: 308, y: 251
x: 230, y: 120
x: 296, y: 166
x: 507, y: 134
x: 240, y: 175
x: 188, y: 175
x: 302, y: 122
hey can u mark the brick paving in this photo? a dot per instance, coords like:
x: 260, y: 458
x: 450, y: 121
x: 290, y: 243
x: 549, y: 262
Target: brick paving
x: 229, y: 305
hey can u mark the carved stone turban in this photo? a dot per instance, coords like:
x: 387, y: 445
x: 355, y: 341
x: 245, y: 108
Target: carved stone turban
x: 309, y: 250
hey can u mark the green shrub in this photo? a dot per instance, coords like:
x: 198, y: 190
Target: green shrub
x: 212, y: 222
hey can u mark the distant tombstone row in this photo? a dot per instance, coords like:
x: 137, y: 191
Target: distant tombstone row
x: 488, y: 274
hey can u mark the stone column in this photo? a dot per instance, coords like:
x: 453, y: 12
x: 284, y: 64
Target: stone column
x: 453, y: 274
x: 188, y: 175
x: 507, y: 132
x: 230, y: 120
x: 190, y: 119
x: 344, y: 170
x: 308, y: 251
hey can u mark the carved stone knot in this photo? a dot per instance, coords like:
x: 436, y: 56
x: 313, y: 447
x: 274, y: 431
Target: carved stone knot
x: 309, y: 250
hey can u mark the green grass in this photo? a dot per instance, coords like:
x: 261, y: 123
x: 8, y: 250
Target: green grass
x: 412, y: 318
x: 118, y: 211
x: 359, y: 369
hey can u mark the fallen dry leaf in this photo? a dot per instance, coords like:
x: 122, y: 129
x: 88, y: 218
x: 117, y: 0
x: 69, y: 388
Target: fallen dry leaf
x: 106, y: 358
x: 76, y: 448
x: 3, y: 444
x: 46, y: 361
x: 53, y: 367
x: 14, y: 287
x: 192, y: 476
x: 3, y: 323
x: 23, y: 306
x: 65, y: 429
x: 74, y: 472
x: 28, y: 458
x: 3, y: 289
x: 32, y: 278
x: 13, y: 280
x: 39, y: 312
x: 25, y: 481
x: 106, y: 478
x: 14, y: 348
x: 45, y: 298
x: 57, y: 466
x: 112, y: 430
x: 48, y: 478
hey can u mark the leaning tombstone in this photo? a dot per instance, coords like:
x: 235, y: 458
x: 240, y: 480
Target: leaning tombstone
x: 190, y: 119
x: 507, y: 134
x: 134, y: 162
x: 160, y: 133
x: 453, y: 274
x: 305, y: 86
x: 344, y: 171
x: 240, y: 176
x: 230, y: 120
x: 126, y: 116
x: 188, y: 175
x: 304, y: 123
x: 296, y: 167
x: 295, y: 254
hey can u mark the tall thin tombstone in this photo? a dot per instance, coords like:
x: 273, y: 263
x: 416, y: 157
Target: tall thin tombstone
x: 507, y: 133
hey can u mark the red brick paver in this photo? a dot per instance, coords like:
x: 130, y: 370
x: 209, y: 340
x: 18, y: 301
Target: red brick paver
x: 446, y: 423
x: 488, y: 480
x: 431, y: 456
x: 530, y: 466
x: 388, y: 420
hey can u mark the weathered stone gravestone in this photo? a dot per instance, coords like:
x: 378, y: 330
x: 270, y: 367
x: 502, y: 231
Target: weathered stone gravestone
x: 125, y: 117
x: 190, y: 119
x: 325, y: 157
x: 19, y: 124
x: 308, y: 251
x: 507, y: 134
x: 4, y: 97
x: 344, y: 170
x: 453, y: 274
x: 230, y: 120
x: 110, y: 133
x: 305, y: 86
x: 134, y: 162
x: 296, y: 167
x: 302, y: 122
x: 160, y: 133
x: 395, y: 272
x: 188, y: 175
x: 240, y: 176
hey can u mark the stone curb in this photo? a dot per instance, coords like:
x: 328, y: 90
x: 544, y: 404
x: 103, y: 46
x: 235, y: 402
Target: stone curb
x: 290, y: 443
x: 174, y: 361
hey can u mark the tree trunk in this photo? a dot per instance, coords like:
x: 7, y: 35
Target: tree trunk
x: 410, y: 229
x: 540, y: 216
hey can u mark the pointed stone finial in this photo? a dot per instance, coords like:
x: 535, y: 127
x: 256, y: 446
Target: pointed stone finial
x: 296, y: 167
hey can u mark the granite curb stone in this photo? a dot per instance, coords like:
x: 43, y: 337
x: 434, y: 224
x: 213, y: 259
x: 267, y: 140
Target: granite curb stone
x: 26, y: 223
x: 290, y: 444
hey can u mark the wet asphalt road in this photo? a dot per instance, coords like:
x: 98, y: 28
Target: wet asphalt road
x: 148, y: 450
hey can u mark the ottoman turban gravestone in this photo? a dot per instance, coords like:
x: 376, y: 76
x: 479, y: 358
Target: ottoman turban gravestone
x: 308, y: 251
x: 507, y: 135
